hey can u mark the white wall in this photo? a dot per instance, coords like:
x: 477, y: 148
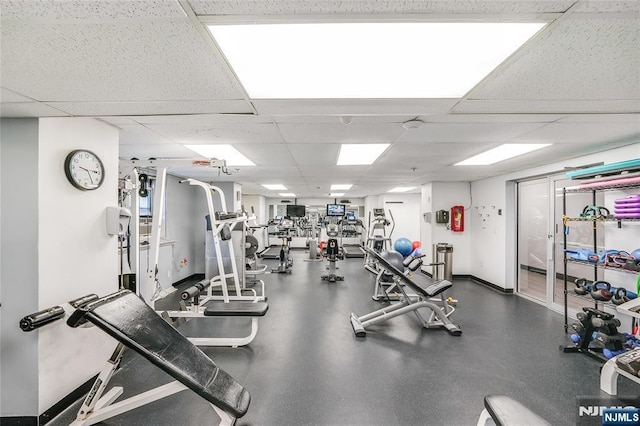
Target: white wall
x: 444, y: 196
x: 493, y: 247
x: 19, y: 272
x: 55, y: 248
x: 76, y: 255
x: 406, y: 214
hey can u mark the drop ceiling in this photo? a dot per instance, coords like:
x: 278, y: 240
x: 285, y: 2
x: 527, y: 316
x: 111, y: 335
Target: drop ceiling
x: 151, y: 69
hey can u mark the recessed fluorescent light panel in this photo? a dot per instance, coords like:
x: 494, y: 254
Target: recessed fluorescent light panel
x: 501, y: 153
x: 336, y: 194
x: 360, y: 154
x: 232, y: 156
x: 367, y: 60
x: 287, y: 194
x: 344, y: 187
x: 275, y: 187
x: 402, y: 189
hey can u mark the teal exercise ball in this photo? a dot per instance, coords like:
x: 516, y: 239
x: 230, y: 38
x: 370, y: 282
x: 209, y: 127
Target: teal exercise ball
x: 404, y: 246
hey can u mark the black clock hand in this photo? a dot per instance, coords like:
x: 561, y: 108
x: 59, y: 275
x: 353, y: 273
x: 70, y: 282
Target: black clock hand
x: 87, y: 170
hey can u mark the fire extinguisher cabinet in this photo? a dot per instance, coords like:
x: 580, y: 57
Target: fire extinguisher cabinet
x: 457, y: 218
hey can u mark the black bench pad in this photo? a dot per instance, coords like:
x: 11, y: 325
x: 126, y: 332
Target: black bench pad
x: 236, y: 309
x: 508, y: 412
x: 128, y: 319
x: 428, y: 291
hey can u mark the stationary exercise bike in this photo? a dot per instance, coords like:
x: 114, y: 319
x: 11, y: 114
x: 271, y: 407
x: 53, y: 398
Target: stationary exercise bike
x: 333, y: 252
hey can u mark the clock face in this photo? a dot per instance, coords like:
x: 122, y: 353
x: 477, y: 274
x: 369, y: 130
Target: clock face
x: 84, y: 169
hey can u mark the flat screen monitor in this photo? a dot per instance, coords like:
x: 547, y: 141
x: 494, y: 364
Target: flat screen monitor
x: 378, y: 212
x: 296, y: 211
x: 351, y: 216
x: 335, y: 209
x: 278, y: 217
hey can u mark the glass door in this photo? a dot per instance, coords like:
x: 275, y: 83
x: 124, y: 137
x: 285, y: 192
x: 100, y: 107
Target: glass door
x: 533, y: 231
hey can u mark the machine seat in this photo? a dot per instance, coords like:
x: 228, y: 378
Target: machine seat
x: 236, y: 309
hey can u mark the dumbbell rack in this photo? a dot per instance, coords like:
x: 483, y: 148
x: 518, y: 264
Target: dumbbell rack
x: 583, y: 347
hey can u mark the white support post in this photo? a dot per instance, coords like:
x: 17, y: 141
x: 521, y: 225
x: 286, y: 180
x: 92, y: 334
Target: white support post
x: 156, y: 230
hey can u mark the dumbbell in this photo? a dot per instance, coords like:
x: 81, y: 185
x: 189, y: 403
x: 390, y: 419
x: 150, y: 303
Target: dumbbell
x: 611, y: 322
x: 581, y: 287
x: 619, y: 296
x: 601, y: 291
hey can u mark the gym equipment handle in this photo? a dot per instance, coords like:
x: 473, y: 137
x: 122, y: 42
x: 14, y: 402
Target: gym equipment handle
x: 40, y: 318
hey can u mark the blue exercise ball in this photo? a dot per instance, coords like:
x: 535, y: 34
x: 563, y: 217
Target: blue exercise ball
x: 404, y: 246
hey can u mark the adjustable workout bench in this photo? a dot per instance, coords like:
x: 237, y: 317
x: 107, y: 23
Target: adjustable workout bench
x: 501, y: 410
x: 128, y: 319
x: 439, y: 316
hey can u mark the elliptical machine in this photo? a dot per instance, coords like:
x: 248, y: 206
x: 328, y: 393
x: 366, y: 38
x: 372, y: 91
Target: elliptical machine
x: 333, y: 252
x: 285, y: 259
x: 377, y: 239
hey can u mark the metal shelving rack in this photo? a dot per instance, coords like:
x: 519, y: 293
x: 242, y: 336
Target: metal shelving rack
x: 596, y: 266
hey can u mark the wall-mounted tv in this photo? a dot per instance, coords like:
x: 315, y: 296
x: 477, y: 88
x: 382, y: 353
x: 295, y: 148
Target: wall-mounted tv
x: 335, y: 209
x: 296, y: 211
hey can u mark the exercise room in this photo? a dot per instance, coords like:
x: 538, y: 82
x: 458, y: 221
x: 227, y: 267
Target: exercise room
x: 284, y: 212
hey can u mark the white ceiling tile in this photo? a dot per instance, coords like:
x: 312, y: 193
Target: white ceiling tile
x: 333, y: 119
x: 204, y: 119
x: 492, y: 118
x: 148, y: 108
x: 336, y: 107
x: 339, y: 133
x: 601, y: 118
x: 7, y: 95
x: 94, y: 9
x: 155, y: 151
x: 119, y: 121
x: 467, y: 132
x: 548, y: 106
x: 29, y: 109
x: 136, y: 134
x: 582, y: 133
x: 159, y: 60
x: 601, y: 6
x: 574, y: 58
x: 315, y: 154
x: 329, y: 7
x: 218, y: 133
x: 267, y: 154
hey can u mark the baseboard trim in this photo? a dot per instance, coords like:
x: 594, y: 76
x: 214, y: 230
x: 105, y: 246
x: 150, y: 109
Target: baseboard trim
x: 19, y: 421
x: 491, y: 285
x: 52, y: 412
x: 66, y: 402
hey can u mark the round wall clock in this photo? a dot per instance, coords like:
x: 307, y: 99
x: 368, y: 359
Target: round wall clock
x: 84, y: 169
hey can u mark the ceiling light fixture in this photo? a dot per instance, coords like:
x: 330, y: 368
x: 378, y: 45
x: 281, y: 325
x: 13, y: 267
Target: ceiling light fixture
x: 338, y: 186
x: 402, y: 189
x: 317, y: 60
x: 275, y: 186
x: 336, y: 194
x: 286, y: 194
x: 501, y: 153
x: 360, y: 154
x: 232, y: 156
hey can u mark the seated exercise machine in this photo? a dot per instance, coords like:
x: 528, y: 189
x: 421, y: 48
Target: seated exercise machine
x: 135, y: 325
x: 439, y: 312
x: 385, y: 287
x: 333, y: 252
x: 206, y: 304
x: 501, y: 410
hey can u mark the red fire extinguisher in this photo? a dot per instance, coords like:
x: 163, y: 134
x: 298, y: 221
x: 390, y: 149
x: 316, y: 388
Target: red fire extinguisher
x: 457, y: 218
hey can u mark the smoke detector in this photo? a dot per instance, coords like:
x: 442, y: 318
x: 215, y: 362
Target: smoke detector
x: 412, y: 124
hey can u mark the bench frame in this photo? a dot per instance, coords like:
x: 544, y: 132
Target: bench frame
x: 438, y: 317
x: 609, y: 376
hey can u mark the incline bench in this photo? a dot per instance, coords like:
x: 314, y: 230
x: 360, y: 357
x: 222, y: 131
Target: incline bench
x: 133, y: 323
x: 501, y: 410
x: 439, y: 314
